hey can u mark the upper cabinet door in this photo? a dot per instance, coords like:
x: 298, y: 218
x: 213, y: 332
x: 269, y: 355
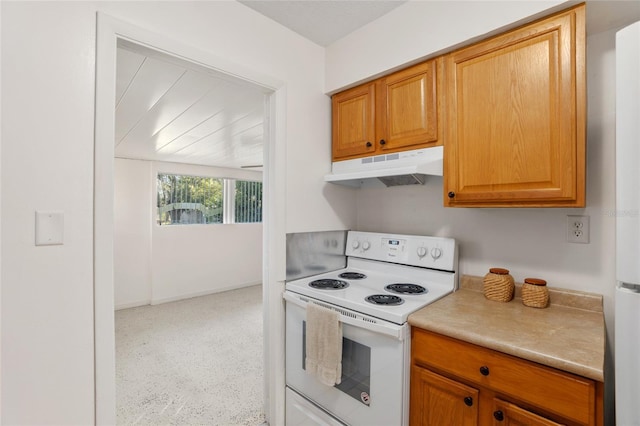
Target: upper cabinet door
x: 395, y: 113
x: 516, y: 117
x: 407, y: 111
x: 353, y: 124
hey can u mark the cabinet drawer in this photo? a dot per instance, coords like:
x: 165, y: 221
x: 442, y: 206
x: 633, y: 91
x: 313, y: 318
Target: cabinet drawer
x: 553, y: 391
x: 512, y: 414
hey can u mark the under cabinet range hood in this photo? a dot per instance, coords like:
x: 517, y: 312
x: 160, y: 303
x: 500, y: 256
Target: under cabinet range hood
x: 398, y: 168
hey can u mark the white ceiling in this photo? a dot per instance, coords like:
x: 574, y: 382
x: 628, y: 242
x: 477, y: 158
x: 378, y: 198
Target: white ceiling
x: 323, y: 21
x: 172, y: 110
x: 605, y: 15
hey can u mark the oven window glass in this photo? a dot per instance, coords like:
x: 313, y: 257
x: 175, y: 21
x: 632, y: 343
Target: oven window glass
x: 356, y: 367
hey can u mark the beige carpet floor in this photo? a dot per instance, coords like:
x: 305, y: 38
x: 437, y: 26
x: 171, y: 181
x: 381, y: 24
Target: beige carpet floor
x: 192, y: 362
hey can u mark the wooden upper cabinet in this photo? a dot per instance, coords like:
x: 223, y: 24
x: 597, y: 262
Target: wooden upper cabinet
x: 353, y: 122
x: 407, y: 109
x: 394, y: 113
x: 515, y: 133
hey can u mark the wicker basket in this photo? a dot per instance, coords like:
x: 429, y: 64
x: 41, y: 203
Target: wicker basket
x: 498, y: 285
x: 535, y: 293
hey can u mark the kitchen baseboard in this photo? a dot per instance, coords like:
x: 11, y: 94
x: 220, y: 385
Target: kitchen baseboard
x: 202, y: 293
x: 131, y: 305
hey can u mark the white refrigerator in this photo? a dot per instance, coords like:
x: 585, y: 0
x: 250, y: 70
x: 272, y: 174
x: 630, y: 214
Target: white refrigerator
x: 627, y: 297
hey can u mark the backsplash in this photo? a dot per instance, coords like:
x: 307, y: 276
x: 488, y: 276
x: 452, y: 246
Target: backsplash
x: 312, y: 253
x: 529, y: 242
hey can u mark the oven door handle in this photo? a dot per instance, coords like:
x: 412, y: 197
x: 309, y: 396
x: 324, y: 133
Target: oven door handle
x: 355, y: 319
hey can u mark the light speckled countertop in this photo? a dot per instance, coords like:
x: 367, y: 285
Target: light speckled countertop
x: 568, y: 335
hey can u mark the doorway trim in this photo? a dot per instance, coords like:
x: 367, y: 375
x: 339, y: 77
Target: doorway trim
x: 109, y: 31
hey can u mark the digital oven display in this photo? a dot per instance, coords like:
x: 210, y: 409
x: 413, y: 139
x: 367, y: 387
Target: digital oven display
x: 395, y: 249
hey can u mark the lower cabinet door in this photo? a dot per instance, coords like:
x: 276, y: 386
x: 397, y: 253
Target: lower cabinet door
x: 437, y: 400
x: 505, y: 413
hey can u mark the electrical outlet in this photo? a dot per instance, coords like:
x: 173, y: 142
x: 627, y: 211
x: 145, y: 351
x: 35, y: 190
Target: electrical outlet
x: 578, y: 229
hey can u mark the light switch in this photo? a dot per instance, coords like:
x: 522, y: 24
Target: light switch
x: 49, y: 228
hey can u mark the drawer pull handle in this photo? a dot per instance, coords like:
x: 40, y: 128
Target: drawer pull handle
x: 383, y: 142
x: 499, y: 415
x: 368, y: 144
x: 451, y: 194
x: 484, y: 370
x: 468, y: 401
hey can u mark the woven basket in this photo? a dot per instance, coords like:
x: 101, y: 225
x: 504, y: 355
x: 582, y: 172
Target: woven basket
x: 535, y: 293
x: 498, y: 285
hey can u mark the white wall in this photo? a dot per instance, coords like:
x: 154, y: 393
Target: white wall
x: 47, y: 157
x: 528, y: 242
x: 132, y: 233
x: 202, y: 259
x: 48, y: 82
x: 156, y: 264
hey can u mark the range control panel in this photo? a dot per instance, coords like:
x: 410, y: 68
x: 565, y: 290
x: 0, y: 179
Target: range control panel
x: 415, y: 250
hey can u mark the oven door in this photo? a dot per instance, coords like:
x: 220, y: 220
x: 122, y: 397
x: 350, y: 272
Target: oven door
x: 375, y: 355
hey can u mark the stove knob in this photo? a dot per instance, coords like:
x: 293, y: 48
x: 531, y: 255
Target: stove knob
x: 355, y: 244
x: 436, y: 253
x: 422, y: 251
x: 366, y: 245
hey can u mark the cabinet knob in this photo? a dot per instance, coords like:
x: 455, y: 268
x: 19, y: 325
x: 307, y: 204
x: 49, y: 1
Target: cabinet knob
x: 468, y: 401
x: 368, y: 144
x: 451, y: 194
x: 499, y: 415
x: 383, y: 142
x: 484, y: 370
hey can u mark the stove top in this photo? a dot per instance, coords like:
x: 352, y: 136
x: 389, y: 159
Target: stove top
x: 379, y: 275
x: 387, y: 276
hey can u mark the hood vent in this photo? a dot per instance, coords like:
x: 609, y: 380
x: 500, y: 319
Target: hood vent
x: 402, y: 180
x: 398, y: 168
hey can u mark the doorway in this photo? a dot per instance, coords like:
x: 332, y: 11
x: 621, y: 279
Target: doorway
x: 188, y: 179
x: 187, y: 173
x: 110, y: 32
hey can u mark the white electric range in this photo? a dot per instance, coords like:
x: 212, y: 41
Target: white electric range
x: 387, y: 277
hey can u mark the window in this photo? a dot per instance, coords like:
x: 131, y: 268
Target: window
x: 185, y: 200
x: 248, y: 201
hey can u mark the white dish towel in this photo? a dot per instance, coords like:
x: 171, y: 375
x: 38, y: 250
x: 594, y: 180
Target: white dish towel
x: 324, y: 344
